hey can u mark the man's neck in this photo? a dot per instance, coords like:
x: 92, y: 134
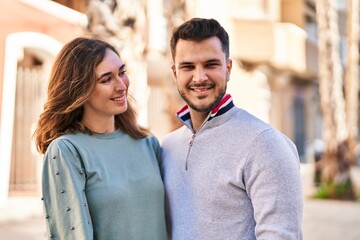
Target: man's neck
x: 197, y: 119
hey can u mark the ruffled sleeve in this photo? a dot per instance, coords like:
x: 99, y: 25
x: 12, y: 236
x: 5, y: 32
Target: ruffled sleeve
x: 64, y: 193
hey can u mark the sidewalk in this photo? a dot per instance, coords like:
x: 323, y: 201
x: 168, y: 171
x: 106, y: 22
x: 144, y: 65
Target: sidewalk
x: 323, y: 219
x: 331, y: 220
x: 328, y: 219
x: 31, y: 229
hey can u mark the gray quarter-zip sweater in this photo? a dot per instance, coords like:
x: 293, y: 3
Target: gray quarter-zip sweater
x: 235, y: 178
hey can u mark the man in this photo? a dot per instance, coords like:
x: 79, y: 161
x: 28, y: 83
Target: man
x: 227, y: 174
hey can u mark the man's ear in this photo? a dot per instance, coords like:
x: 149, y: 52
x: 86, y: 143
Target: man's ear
x: 228, y: 67
x: 173, y: 68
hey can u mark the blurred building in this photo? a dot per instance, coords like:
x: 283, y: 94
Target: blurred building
x: 273, y: 46
x: 31, y: 34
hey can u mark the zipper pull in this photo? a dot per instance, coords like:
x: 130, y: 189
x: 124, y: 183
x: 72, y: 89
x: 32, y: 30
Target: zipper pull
x: 190, y: 144
x: 191, y: 140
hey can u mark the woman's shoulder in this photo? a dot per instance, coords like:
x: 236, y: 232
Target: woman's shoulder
x: 66, y: 142
x: 151, y: 140
x: 62, y: 142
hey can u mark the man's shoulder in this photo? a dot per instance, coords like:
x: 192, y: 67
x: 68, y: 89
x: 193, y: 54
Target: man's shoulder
x: 176, y: 134
x: 252, y: 125
x: 243, y: 118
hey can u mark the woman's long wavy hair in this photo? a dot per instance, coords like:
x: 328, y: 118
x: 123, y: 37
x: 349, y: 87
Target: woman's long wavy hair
x: 72, y: 81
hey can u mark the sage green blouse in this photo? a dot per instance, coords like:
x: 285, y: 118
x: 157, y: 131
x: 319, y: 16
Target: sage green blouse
x: 103, y: 186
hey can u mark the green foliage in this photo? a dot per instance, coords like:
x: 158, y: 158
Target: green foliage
x: 323, y: 191
x: 342, y: 190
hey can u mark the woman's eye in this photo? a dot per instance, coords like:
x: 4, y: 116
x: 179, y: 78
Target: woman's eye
x: 105, y: 80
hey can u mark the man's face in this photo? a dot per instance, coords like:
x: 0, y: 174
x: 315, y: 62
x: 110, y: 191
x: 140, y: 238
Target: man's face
x: 201, y: 73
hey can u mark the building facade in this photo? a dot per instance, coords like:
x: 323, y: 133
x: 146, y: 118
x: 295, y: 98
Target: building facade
x: 31, y: 34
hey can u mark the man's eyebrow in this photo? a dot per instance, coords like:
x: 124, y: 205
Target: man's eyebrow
x: 185, y: 63
x: 122, y: 67
x: 214, y: 60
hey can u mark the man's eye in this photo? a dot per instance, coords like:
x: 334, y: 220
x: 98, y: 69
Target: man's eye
x: 211, y: 65
x: 122, y: 73
x: 187, y: 67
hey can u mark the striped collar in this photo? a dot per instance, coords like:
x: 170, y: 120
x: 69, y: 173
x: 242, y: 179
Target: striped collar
x: 225, y: 105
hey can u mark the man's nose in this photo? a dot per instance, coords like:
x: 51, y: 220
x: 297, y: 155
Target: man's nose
x: 200, y: 75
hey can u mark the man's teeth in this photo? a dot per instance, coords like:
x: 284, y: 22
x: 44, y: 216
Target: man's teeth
x: 200, y: 89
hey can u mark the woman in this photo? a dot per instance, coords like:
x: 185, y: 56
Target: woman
x: 100, y: 177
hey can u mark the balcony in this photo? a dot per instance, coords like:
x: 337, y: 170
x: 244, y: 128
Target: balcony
x: 284, y: 46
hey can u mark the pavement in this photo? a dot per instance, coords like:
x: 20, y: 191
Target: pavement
x: 30, y: 229
x: 331, y: 220
x: 323, y: 220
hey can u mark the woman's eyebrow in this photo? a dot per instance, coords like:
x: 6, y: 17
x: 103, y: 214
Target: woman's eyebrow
x: 121, y: 68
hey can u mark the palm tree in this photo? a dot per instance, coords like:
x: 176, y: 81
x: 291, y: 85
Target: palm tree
x: 352, y: 78
x: 338, y: 127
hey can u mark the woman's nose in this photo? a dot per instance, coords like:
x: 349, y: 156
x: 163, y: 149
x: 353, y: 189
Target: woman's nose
x: 120, y: 84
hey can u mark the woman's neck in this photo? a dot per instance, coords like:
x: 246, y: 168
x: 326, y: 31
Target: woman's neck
x: 99, y: 125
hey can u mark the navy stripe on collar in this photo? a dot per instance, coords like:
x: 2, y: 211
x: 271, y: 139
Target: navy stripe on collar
x: 225, y: 105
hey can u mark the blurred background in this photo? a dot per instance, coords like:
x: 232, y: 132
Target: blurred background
x: 295, y: 66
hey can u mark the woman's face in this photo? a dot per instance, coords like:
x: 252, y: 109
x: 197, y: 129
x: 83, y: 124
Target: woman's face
x: 109, y: 97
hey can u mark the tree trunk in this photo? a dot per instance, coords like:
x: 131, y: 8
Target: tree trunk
x: 352, y: 79
x: 333, y: 169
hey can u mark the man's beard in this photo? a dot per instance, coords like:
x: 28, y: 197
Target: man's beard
x: 204, y: 109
